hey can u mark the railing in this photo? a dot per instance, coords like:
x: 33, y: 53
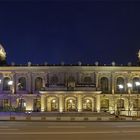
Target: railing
x: 79, y: 87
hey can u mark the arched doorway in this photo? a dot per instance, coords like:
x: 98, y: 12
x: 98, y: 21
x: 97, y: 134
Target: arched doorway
x: 71, y: 104
x: 104, y: 105
x: 87, y: 104
x: 21, y: 105
x: 37, y: 105
x: 54, y: 104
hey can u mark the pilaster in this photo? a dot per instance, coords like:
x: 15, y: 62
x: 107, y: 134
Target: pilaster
x: 98, y: 102
x: 61, y: 103
x: 79, y: 103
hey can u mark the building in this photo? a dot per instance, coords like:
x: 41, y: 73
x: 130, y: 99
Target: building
x: 70, y: 88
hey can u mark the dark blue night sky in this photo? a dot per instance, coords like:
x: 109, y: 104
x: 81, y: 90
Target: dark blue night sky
x: 57, y: 31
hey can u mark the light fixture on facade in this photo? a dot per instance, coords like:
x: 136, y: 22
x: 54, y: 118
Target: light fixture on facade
x: 120, y: 86
x: 10, y: 83
x: 70, y: 101
x: 87, y: 101
x: 137, y: 83
x: 129, y: 85
x: 54, y: 101
x: 24, y: 104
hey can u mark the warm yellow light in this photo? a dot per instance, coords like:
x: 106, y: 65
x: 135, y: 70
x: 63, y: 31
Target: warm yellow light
x: 87, y: 101
x: 70, y: 101
x: 53, y: 101
x: 129, y: 85
x: 10, y: 82
x: 137, y: 83
x: 120, y: 86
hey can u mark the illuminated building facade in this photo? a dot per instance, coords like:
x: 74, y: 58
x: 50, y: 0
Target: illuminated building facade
x: 71, y: 88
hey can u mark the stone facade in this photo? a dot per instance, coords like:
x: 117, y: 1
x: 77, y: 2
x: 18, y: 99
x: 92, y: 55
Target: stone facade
x: 70, y: 89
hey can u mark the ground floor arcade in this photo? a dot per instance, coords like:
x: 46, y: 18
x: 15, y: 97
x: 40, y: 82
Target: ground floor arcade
x: 56, y: 101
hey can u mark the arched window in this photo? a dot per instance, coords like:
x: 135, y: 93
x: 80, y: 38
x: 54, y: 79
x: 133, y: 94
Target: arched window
x: 120, y: 81
x: 87, y: 80
x: 54, y: 80
x: 6, y: 87
x: 22, y: 83
x: 135, y: 88
x: 105, y: 104
x: 38, y: 83
x: 120, y: 103
x: 104, y: 84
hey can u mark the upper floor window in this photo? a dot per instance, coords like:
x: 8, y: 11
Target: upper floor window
x: 38, y: 83
x: 87, y: 80
x: 135, y: 87
x: 120, y: 81
x: 22, y: 83
x: 6, y: 87
x: 71, y: 83
x: 104, y: 84
x: 54, y: 80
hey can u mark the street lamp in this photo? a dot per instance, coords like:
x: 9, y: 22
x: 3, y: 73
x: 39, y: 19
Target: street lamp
x: 10, y: 83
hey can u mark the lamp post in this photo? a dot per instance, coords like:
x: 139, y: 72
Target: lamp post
x: 10, y: 83
x: 129, y: 85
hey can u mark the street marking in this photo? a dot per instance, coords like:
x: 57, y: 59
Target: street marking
x: 65, y: 133
x: 66, y: 127
x: 127, y: 126
x: 3, y: 129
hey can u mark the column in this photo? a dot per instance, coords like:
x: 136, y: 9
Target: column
x: 61, y: 103
x: 98, y: 102
x: 113, y: 83
x: 79, y: 103
x: 29, y: 82
x: 97, y: 76
x: 42, y: 103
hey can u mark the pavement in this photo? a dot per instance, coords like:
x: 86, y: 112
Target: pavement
x: 69, y: 130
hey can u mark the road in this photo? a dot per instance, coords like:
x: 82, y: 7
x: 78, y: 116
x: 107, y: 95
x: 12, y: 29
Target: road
x: 69, y: 130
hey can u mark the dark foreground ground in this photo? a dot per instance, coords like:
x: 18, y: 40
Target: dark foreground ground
x: 69, y: 130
